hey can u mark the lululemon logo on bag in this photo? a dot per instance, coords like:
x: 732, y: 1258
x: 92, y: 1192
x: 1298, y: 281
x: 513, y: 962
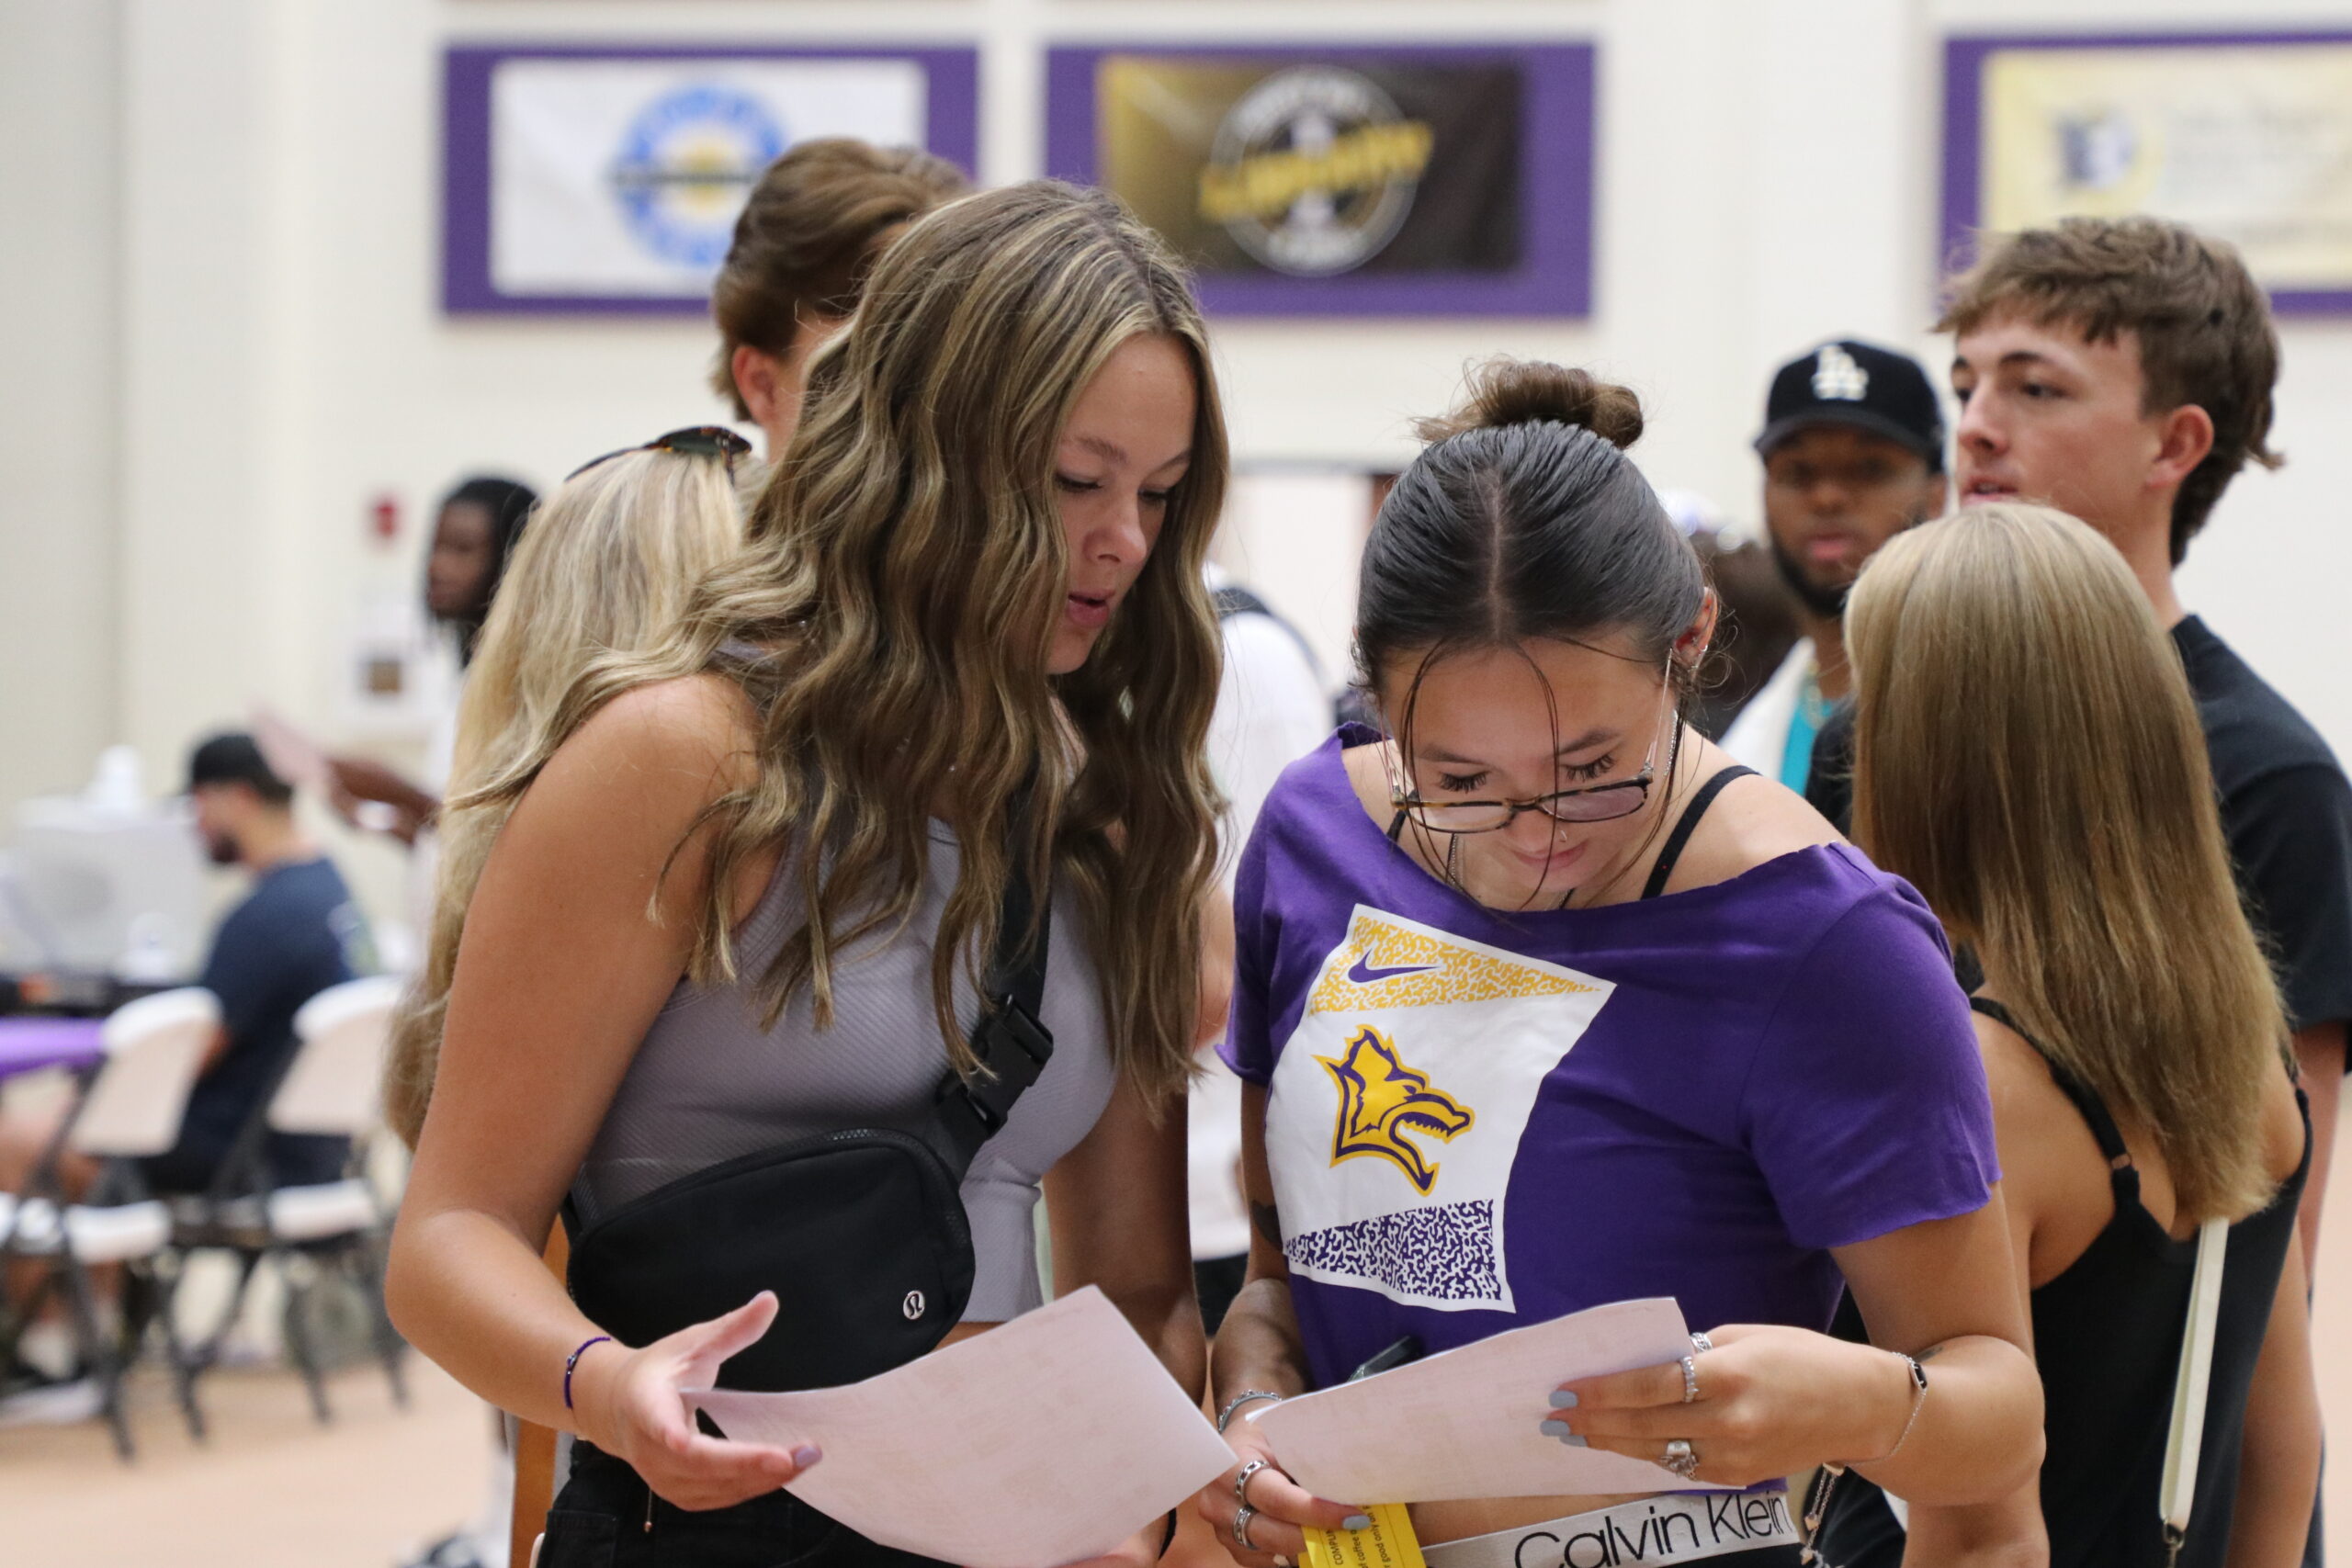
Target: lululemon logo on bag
x: 912, y: 1305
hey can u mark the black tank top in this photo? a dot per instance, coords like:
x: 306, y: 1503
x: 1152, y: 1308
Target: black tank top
x: 2106, y: 1339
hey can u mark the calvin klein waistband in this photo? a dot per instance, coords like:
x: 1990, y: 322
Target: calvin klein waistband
x: 1686, y: 1527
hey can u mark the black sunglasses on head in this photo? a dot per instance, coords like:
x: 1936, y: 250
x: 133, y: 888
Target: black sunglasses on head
x: 693, y: 441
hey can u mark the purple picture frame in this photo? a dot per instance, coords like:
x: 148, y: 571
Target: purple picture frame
x: 1555, y: 279
x: 1964, y: 59
x: 952, y: 132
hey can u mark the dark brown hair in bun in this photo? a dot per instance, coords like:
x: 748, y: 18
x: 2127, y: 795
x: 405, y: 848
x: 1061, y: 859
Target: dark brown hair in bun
x: 1504, y: 392
x: 1524, y: 519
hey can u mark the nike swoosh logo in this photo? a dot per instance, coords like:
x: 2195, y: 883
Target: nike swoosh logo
x: 1362, y: 974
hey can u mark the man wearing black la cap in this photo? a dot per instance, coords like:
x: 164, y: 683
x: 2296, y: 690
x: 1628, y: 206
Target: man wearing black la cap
x: 1852, y: 444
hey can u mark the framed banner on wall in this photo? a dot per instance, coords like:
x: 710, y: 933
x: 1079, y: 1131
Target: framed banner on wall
x: 599, y: 179
x: 2244, y: 136
x: 1342, y: 180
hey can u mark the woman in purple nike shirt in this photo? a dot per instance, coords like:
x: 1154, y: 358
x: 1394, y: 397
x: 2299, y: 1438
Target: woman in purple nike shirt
x: 1542, y: 1003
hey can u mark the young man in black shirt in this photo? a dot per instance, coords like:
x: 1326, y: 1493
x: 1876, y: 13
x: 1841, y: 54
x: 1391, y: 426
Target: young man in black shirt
x: 2121, y: 370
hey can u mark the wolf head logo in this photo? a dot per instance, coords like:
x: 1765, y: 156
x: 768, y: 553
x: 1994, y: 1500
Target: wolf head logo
x: 1382, y: 1100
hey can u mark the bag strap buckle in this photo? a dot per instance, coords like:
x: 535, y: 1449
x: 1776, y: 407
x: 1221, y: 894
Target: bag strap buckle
x: 1013, y: 1047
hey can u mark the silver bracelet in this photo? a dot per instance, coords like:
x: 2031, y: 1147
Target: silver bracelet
x: 1224, y: 1416
x: 1918, y: 1398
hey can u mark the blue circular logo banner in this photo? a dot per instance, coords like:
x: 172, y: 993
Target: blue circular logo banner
x: 684, y: 165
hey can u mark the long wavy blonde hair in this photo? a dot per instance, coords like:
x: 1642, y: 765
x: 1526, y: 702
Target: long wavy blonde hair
x: 906, y: 568
x: 607, y: 565
x: 2029, y: 757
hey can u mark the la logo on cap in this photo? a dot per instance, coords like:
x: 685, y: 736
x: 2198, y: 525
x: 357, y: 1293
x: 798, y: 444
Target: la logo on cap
x: 1835, y: 377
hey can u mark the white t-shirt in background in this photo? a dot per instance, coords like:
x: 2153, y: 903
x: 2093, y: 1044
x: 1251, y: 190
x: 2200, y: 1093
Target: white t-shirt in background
x: 1272, y: 709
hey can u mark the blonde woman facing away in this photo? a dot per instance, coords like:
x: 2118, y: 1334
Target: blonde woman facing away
x: 1543, y: 1003
x: 2028, y: 756
x: 606, y: 569
x: 748, y: 877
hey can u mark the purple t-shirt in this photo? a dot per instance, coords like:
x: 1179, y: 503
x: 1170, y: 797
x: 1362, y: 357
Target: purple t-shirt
x: 1479, y: 1119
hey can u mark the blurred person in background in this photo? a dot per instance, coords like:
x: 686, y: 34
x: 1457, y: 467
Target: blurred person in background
x: 2031, y: 760
x: 605, y: 568
x: 807, y: 238
x: 474, y: 536
x: 1758, y: 624
x: 2121, y: 370
x: 294, y: 934
x: 879, y: 677
x: 1272, y: 709
x: 1853, y: 450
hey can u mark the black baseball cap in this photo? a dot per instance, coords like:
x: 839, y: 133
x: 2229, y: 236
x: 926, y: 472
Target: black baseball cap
x: 235, y: 758
x: 1857, y: 385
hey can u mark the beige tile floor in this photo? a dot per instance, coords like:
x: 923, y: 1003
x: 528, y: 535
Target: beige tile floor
x: 273, y: 1490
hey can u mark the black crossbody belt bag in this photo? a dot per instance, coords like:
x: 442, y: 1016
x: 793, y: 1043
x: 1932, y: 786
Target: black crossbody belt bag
x: 860, y: 1233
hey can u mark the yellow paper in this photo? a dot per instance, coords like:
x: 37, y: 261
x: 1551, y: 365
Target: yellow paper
x: 1388, y: 1543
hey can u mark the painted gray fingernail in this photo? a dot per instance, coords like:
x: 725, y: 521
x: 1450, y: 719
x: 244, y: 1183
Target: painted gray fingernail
x: 1556, y: 1430
x: 805, y: 1455
x: 1564, y: 1399
x: 1356, y: 1522
x: 1572, y: 1441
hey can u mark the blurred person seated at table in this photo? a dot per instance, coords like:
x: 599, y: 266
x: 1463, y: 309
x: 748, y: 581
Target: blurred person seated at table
x: 294, y: 935
x: 474, y: 539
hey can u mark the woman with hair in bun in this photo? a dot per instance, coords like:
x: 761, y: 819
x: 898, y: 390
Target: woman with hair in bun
x: 810, y: 232
x: 1543, y: 1003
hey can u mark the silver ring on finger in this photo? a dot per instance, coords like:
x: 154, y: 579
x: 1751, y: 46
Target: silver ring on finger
x: 1701, y: 1344
x: 1242, y: 1482
x: 1681, y: 1460
x: 1690, y: 1379
x: 1242, y: 1528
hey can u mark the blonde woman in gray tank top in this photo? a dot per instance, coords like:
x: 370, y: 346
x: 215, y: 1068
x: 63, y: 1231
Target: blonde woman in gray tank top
x: 747, y: 876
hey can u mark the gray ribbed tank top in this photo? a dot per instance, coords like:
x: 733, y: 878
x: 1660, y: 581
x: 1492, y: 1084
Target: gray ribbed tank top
x: 709, y: 1085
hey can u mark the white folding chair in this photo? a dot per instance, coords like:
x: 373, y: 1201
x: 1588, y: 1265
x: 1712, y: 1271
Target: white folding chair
x: 131, y: 1108
x: 329, y: 1087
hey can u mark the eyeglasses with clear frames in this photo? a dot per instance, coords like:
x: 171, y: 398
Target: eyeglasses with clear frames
x: 1587, y: 803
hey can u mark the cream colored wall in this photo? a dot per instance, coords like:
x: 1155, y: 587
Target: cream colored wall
x: 60, y: 419
x: 221, y: 339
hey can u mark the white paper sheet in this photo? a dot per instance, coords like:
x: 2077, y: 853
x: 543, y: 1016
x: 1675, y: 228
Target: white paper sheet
x: 1463, y: 1423
x: 1044, y: 1442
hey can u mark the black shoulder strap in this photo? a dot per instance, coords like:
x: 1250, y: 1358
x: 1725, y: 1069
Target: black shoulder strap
x: 1011, y: 1039
x: 2087, y: 1102
x: 1687, y: 825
